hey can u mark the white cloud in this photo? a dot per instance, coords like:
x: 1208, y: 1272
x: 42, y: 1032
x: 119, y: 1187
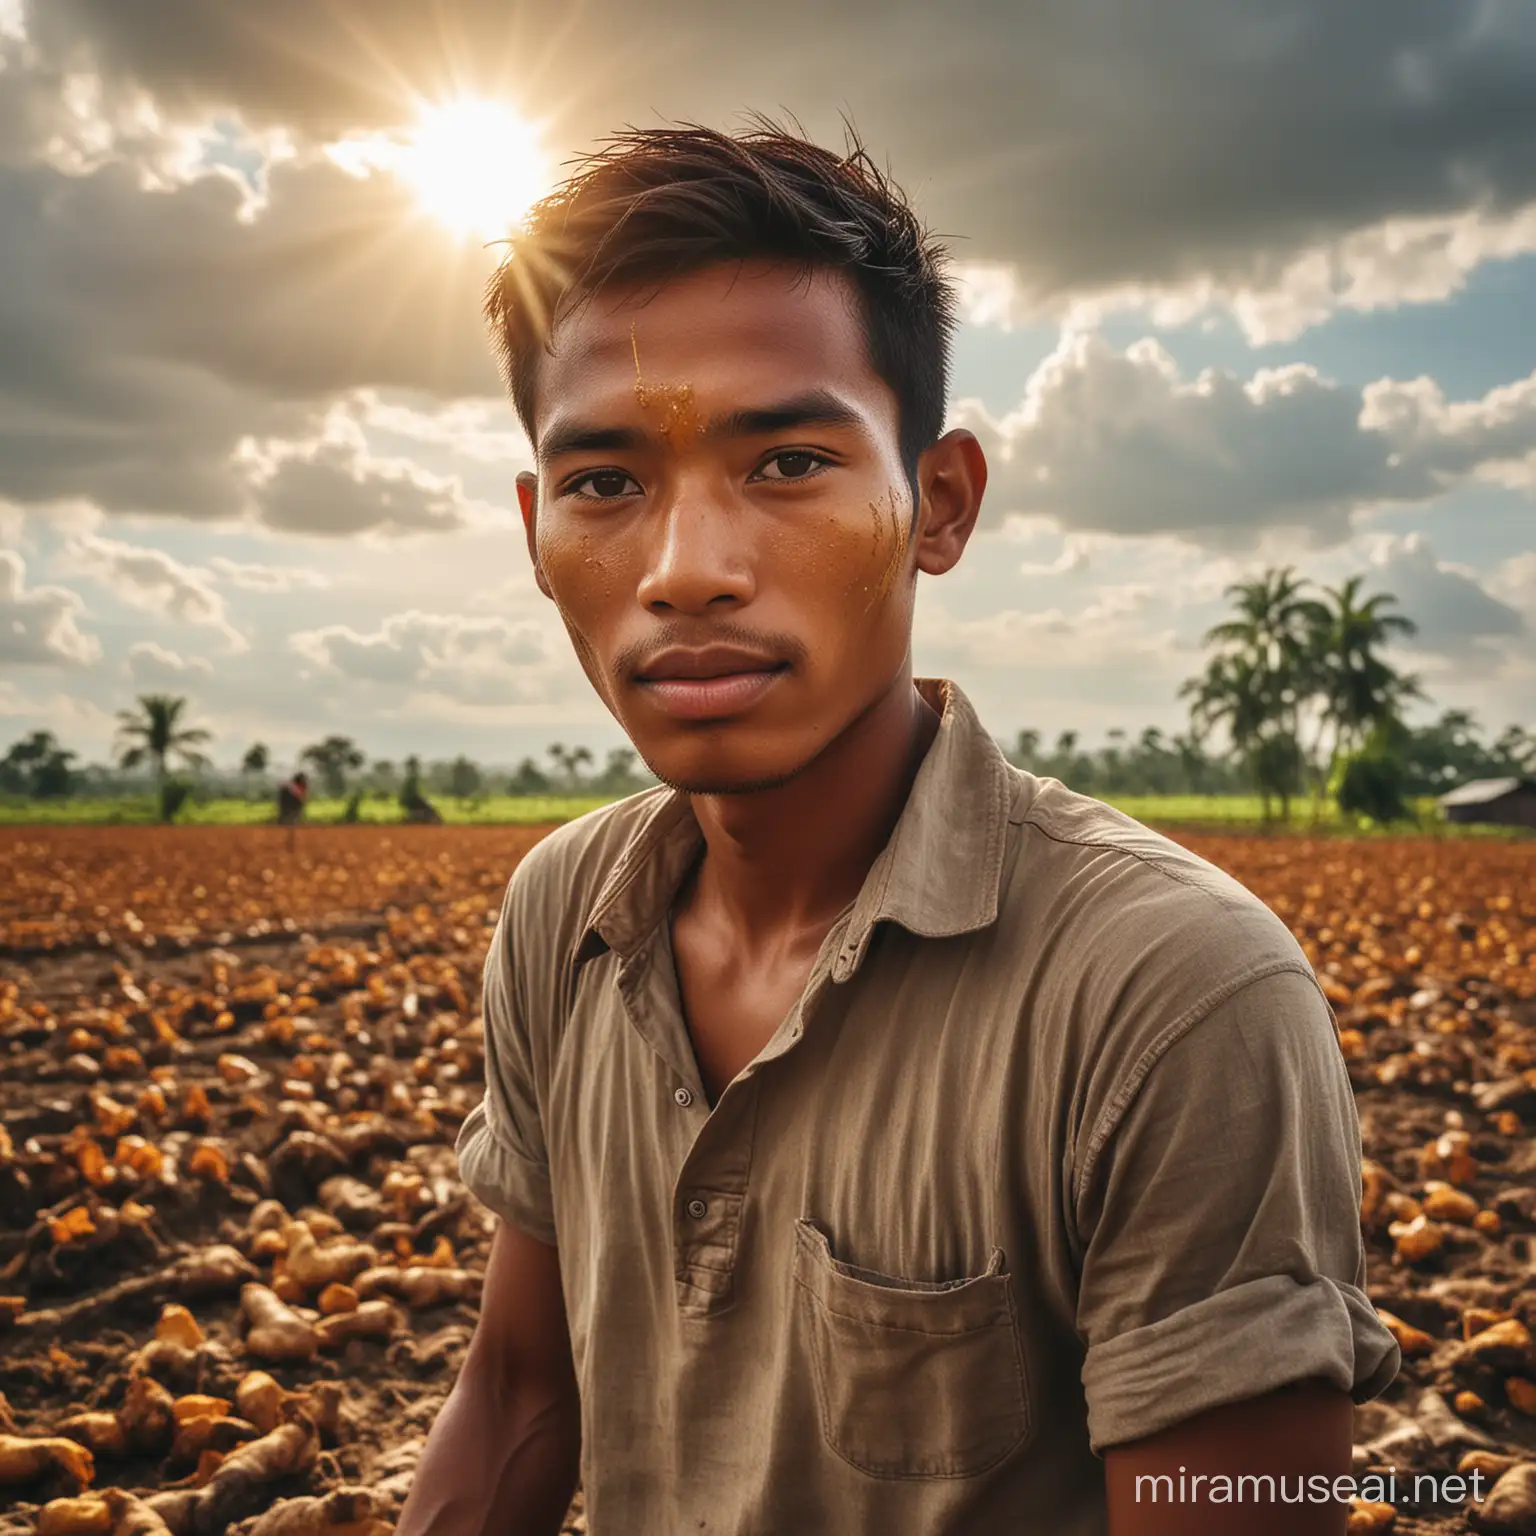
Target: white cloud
x: 472, y: 659
x: 1491, y: 439
x: 154, y: 582
x: 483, y: 430
x: 152, y: 665
x: 80, y: 724
x: 330, y: 486
x: 1456, y: 613
x: 37, y: 625
x: 1121, y: 443
x: 253, y: 577
x: 1514, y: 583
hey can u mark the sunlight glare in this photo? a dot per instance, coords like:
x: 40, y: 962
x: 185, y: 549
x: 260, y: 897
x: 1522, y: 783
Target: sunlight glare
x: 475, y: 165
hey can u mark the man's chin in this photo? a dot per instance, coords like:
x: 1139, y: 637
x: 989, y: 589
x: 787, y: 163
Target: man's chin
x: 704, y: 783
x: 719, y: 774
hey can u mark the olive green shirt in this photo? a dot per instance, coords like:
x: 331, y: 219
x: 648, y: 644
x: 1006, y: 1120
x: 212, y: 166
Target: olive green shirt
x: 1056, y: 1149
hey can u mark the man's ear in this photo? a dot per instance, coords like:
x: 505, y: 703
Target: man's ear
x: 951, y: 478
x: 528, y: 505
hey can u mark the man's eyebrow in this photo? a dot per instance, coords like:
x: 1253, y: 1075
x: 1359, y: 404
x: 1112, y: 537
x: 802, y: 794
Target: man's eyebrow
x: 814, y: 408
x: 580, y: 437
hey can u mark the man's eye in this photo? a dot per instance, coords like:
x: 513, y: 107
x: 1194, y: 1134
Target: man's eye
x: 795, y: 464
x: 604, y: 485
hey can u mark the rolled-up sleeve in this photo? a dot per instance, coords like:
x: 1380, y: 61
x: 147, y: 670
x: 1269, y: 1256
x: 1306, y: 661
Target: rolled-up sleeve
x: 1218, y: 1214
x: 501, y: 1149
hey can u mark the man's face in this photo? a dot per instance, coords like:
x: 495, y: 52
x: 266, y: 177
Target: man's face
x: 718, y: 466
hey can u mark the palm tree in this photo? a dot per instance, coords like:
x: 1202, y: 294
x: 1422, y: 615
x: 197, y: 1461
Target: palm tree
x: 1515, y: 750
x: 1270, y: 648
x: 1235, y: 691
x: 1026, y: 749
x: 255, y: 763
x: 1359, y: 690
x: 569, y: 760
x: 154, y: 733
x: 333, y: 759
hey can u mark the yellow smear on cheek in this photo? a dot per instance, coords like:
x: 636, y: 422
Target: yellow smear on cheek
x: 569, y: 567
x: 888, y: 527
x: 673, y: 405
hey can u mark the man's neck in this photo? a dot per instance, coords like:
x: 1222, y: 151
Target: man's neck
x: 782, y: 863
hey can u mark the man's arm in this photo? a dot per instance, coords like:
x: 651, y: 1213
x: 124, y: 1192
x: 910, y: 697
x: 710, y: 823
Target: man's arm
x: 1298, y: 1432
x: 504, y: 1453
x: 1224, y: 1264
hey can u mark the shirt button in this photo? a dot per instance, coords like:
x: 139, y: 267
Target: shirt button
x: 697, y: 1209
x: 683, y: 1098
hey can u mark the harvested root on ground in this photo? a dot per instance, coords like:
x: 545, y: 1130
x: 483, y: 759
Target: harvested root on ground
x: 419, y: 1285
x: 99, y: 1431
x: 276, y: 1333
x: 316, y: 1267
x: 24, y: 1457
x: 371, y: 1320
x: 148, y: 1415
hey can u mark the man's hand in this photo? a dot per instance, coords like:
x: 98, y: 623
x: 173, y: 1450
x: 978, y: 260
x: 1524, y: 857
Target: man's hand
x: 1300, y: 1431
x: 504, y: 1453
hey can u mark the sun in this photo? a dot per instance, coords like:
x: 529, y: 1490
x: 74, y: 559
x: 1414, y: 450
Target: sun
x: 475, y: 166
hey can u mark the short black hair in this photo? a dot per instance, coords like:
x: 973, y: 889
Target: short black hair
x: 652, y: 204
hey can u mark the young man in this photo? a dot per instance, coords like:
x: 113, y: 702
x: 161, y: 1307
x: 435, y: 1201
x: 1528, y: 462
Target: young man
x: 883, y: 1139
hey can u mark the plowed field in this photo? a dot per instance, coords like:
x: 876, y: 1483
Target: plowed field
x: 237, y: 1267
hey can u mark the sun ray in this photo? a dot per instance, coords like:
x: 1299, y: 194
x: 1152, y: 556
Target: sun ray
x: 475, y: 165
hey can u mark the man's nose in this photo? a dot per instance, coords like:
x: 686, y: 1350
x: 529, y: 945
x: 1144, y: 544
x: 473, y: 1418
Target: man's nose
x: 700, y: 558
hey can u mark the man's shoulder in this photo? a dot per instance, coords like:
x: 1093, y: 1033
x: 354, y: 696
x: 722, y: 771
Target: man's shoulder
x: 558, y: 879
x: 1131, y: 906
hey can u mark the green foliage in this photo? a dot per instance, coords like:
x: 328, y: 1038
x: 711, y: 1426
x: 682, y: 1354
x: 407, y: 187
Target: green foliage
x: 154, y: 734
x: 37, y: 766
x: 333, y: 759
x: 1288, y: 666
x: 464, y: 779
x: 174, y: 794
x: 1372, y: 784
x: 528, y: 779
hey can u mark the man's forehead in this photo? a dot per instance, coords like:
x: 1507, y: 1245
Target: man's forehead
x: 764, y: 302
x: 736, y: 339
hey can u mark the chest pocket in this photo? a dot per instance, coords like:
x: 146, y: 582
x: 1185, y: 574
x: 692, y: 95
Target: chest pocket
x: 913, y: 1379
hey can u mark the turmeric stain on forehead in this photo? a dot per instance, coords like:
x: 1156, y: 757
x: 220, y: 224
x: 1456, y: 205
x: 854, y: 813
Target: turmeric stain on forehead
x: 673, y: 403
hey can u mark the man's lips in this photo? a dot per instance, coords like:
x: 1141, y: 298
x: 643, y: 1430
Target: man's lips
x: 706, y: 661
x: 712, y: 697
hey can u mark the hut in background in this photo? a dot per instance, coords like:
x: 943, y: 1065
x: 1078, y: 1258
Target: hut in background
x: 1503, y: 802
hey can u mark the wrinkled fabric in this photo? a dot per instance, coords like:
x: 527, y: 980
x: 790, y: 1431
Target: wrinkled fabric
x: 1056, y: 1149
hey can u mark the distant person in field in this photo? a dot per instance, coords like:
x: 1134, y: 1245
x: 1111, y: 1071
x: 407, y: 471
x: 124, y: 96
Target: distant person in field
x: 413, y: 802
x: 883, y: 1138
x: 292, y: 796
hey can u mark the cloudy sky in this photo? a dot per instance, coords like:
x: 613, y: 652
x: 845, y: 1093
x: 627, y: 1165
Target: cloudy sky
x: 1247, y: 282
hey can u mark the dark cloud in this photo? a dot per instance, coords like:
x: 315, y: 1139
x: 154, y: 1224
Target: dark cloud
x: 1090, y: 144
x: 143, y: 334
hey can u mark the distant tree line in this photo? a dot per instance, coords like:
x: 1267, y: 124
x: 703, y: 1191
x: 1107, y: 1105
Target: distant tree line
x: 1435, y: 757
x: 1296, y: 700
x: 159, y: 752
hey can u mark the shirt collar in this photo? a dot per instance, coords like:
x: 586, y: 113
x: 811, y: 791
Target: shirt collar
x: 938, y: 875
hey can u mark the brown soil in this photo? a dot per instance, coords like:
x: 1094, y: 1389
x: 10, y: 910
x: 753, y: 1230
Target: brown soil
x: 195, y: 1023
